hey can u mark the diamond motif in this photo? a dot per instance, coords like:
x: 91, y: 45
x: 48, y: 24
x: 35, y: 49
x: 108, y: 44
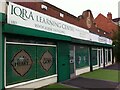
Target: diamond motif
x: 46, y: 61
x: 21, y: 62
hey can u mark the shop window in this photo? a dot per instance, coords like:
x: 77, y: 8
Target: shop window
x: 81, y: 57
x: 20, y: 63
x: 98, y: 30
x: 28, y: 62
x: 46, y: 58
x: 94, y: 56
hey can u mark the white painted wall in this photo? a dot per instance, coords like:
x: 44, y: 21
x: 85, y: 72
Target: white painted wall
x: 96, y: 67
x: 82, y: 70
x: 35, y: 83
x: 3, y: 6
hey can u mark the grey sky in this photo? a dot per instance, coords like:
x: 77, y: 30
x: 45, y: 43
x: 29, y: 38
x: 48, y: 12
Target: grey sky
x: 76, y: 7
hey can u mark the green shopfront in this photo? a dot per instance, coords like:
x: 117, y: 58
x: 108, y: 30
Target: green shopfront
x: 38, y: 50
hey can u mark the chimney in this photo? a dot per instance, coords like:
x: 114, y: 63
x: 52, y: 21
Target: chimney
x: 109, y: 16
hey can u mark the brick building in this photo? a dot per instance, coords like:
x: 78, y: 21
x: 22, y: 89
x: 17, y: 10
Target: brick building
x: 106, y: 23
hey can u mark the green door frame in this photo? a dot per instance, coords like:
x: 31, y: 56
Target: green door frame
x: 2, y: 39
x: 1, y: 58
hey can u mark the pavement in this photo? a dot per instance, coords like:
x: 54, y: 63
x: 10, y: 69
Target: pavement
x: 93, y: 84
x: 113, y: 67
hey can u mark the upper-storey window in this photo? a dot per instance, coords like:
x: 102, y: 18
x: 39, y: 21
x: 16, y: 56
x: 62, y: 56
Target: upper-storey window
x: 104, y: 32
x: 44, y: 7
x: 61, y: 15
x: 98, y: 30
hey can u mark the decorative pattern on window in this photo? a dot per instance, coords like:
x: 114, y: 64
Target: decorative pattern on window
x: 21, y: 62
x: 46, y: 61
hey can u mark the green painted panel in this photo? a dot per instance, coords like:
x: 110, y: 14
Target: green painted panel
x: 81, y: 56
x: 13, y: 29
x: 1, y: 58
x: 2, y: 17
x: 94, y: 57
x: 46, y: 61
x: 20, y: 63
x: 63, y: 61
x: 3, y: 46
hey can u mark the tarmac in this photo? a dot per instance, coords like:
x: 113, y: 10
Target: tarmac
x: 93, y: 84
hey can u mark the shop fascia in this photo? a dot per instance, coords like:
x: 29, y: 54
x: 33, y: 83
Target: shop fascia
x: 25, y: 15
x: 19, y: 15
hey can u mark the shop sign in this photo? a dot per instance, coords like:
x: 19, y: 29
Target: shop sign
x: 102, y: 40
x: 22, y: 16
x: 109, y: 41
x: 97, y: 38
x: 94, y: 37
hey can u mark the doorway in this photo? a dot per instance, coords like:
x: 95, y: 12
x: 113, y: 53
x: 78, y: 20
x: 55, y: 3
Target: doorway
x: 72, y: 61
